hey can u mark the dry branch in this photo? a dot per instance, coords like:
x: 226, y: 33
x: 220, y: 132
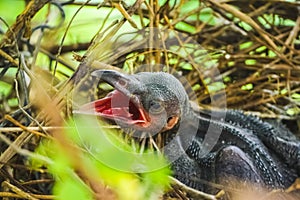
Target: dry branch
x: 22, y: 25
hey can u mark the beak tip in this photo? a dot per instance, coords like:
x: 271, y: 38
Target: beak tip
x: 97, y: 73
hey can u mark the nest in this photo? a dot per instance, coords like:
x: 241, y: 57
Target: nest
x: 229, y: 54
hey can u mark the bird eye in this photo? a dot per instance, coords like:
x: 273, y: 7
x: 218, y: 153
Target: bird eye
x: 156, y: 107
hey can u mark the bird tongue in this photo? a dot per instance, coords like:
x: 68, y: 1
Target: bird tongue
x: 116, y: 105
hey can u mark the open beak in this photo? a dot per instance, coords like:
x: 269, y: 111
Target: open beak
x: 120, y: 104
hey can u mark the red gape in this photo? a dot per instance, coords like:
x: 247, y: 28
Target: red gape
x: 118, y: 106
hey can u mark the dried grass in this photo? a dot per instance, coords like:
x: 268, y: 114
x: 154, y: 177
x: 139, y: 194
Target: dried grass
x: 256, y: 54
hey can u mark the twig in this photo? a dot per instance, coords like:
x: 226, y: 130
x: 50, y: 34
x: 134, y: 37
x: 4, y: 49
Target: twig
x: 247, y: 19
x: 64, y: 37
x: 124, y: 13
x: 20, y: 194
x: 9, y: 118
x: 45, y: 128
x: 294, y: 186
x: 22, y: 23
x: 194, y: 194
x: 29, y: 129
x: 18, y: 191
x: 8, y: 57
x: 14, y: 147
x: 38, y: 196
x: 11, y: 150
x: 293, y: 34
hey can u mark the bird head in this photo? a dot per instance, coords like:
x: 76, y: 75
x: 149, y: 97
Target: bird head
x: 147, y: 101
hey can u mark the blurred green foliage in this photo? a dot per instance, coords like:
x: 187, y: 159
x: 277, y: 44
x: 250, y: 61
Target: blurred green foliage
x: 106, y: 157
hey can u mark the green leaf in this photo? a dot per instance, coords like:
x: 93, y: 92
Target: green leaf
x: 245, y: 26
x: 271, y: 54
x: 108, y: 158
x: 69, y: 188
x: 110, y: 149
x: 261, y: 49
x: 231, y: 63
x: 246, y: 45
x: 185, y: 27
x: 14, y: 102
x: 173, y: 61
x: 283, y: 91
x: 196, y: 87
x: 207, y: 16
x: 248, y: 86
x: 189, y: 6
x: 264, y: 22
x: 293, y: 111
x: 250, y: 62
x: 216, y: 86
x: 187, y: 66
x: 227, y: 79
x: 5, y: 88
x: 296, y: 96
x: 288, y: 22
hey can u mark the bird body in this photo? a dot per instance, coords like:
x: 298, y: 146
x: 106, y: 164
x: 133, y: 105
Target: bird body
x: 246, y: 151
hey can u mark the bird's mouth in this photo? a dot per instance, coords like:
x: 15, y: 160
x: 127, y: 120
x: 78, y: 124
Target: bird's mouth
x: 119, y: 107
